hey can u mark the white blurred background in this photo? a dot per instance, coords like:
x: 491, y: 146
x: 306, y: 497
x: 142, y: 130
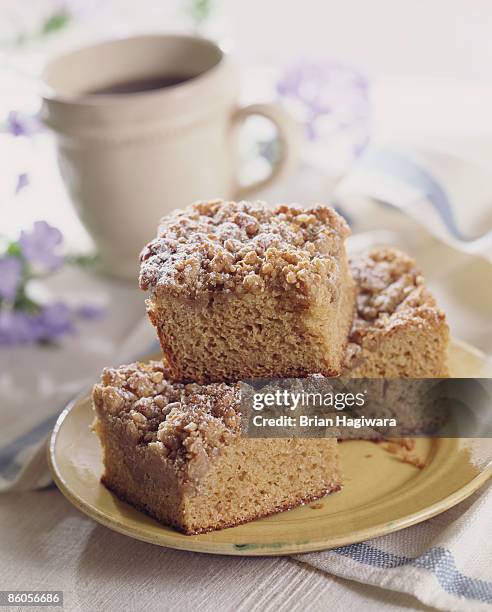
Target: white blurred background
x: 438, y: 38
x: 428, y: 62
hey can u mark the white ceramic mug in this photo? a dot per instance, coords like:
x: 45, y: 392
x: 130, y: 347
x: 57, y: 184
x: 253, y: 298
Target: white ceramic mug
x: 127, y: 159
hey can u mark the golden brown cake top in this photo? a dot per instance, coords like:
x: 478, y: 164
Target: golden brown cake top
x: 187, y: 423
x: 390, y: 293
x: 243, y: 247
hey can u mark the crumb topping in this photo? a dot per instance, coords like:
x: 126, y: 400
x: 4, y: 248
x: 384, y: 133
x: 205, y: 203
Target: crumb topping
x: 243, y: 247
x: 391, y: 293
x: 404, y: 449
x: 186, y: 423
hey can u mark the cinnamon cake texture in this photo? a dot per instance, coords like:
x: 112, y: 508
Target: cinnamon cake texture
x: 176, y: 452
x: 398, y: 330
x: 240, y: 290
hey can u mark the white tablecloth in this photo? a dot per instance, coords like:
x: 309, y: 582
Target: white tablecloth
x: 48, y: 544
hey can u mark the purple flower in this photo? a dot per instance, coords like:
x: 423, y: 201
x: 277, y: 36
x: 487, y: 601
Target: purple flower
x: 90, y: 311
x: 323, y: 89
x: 48, y: 325
x: 55, y: 321
x: 10, y: 277
x: 40, y: 245
x: 18, y: 327
x: 21, y: 124
x: 22, y: 181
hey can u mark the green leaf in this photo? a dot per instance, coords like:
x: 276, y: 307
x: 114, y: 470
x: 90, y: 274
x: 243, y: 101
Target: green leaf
x: 14, y: 250
x: 23, y: 302
x: 56, y: 21
x: 200, y: 10
x: 83, y: 261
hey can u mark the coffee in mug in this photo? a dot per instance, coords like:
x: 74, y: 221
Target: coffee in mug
x: 145, y: 125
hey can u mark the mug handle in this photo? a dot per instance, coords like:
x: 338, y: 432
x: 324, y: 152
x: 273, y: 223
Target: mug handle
x: 290, y: 135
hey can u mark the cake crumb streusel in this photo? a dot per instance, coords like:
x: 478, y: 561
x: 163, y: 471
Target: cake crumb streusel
x: 390, y: 292
x: 186, y: 423
x: 392, y: 300
x: 243, y: 247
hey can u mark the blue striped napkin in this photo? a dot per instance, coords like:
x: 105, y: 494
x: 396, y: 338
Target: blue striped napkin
x: 445, y: 562
x: 449, y: 196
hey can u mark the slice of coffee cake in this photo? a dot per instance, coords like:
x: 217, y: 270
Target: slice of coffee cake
x: 239, y: 290
x: 398, y: 330
x: 176, y: 452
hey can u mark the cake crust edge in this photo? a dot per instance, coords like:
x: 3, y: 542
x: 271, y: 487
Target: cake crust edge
x: 124, y: 497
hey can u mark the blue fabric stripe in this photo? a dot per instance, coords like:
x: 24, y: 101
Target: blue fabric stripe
x: 438, y: 560
x: 408, y: 171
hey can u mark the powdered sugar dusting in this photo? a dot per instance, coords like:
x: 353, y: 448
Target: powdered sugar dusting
x: 186, y: 423
x: 243, y: 247
x: 390, y: 293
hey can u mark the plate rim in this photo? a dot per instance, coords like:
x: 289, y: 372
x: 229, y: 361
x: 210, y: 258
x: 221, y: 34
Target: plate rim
x: 190, y: 543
